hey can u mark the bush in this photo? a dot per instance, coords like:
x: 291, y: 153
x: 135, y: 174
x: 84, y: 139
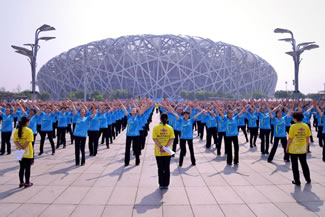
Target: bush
x: 44, y: 96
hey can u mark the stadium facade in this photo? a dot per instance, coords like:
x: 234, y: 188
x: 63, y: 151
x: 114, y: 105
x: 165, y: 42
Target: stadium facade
x: 157, y: 66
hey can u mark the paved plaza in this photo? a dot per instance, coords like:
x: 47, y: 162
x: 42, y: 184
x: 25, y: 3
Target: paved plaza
x: 104, y: 187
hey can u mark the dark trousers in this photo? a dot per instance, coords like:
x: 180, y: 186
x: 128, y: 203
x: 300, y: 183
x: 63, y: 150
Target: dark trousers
x: 50, y: 137
x: 134, y: 140
x: 113, y: 128
x: 5, y: 139
x: 272, y: 132
x: 323, y: 137
x: 253, y: 131
x: 93, y: 142
x: 104, y: 133
x: 69, y: 130
x: 163, y: 163
x: 311, y: 137
x: 54, y: 126
x: 220, y: 136
x: 243, y: 128
x: 142, y: 139
x: 321, y: 140
x: 15, y: 122
x: 229, y: 141
x: 275, y: 146
x: 80, y: 147
x: 38, y: 127
x: 156, y: 110
x: 25, y: 165
x: 175, y: 142
x: 295, y: 168
x: 211, y: 132
x: 200, y: 127
x: 61, y: 136
x: 110, y: 133
x: 183, y: 150
x: 265, y: 140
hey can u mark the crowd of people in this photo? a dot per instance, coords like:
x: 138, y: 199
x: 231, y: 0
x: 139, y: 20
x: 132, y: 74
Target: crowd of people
x: 288, y: 122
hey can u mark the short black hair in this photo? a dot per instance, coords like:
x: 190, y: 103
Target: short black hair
x: 164, y: 118
x: 299, y: 116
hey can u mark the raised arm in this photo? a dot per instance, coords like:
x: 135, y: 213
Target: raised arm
x: 124, y: 109
x: 269, y: 110
x: 197, y: 115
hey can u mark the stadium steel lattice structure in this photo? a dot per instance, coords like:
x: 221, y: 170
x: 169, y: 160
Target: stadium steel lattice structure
x: 157, y: 66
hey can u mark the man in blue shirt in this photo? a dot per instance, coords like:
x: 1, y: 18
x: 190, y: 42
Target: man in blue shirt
x: 93, y: 132
x: 47, y: 118
x: 265, y: 129
x: 211, y: 123
x: 6, y: 130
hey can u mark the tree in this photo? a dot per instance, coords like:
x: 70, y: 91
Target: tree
x: 44, y: 96
x: 187, y: 94
x: 119, y: 94
x: 76, y: 95
x: 97, y: 96
x: 258, y: 95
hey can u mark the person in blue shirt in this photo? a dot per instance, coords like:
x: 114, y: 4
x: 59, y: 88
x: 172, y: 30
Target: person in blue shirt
x: 211, y: 124
x: 242, y: 125
x: 47, y: 118
x: 6, y: 130
x: 80, y: 132
x: 265, y: 129
x: 221, y: 129
x: 93, y: 132
x: 319, y: 124
x: 279, y: 131
x: 232, y: 135
x: 307, y: 114
x: 132, y: 134
x: 252, y: 118
x: 186, y: 133
x: 69, y: 123
x: 62, y: 118
x: 103, y: 126
x: 321, y: 113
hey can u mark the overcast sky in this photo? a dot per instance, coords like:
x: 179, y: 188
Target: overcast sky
x: 245, y: 23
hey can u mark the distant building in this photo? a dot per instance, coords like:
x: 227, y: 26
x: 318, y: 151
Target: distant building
x: 157, y: 66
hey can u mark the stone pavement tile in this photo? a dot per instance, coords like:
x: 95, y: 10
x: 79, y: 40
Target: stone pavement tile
x: 175, y: 180
x: 192, y: 180
x: 276, y: 178
x: 235, y: 179
x: 72, y: 195
x: 257, y: 179
x: 8, y: 178
x: 274, y: 193
x: 200, y: 196
x: 88, y: 211
x: 235, y: 210
x: 118, y: 211
x: 205, y: 168
x: 187, y: 168
x: 123, y: 196
x: 295, y: 209
x: 316, y: 207
x: 7, y: 208
x: 86, y: 179
x: 107, y: 180
x: 207, y: 211
x: 147, y: 180
x: 96, y: 168
x: 47, y: 195
x: 128, y: 180
x: 97, y: 196
x: 177, y: 210
x: 225, y: 195
x: 61, y: 210
x: 175, y: 196
x: 29, y: 210
x: 266, y: 210
x: 147, y: 211
x: 64, y: 179
x: 249, y: 194
x: 214, y: 180
x: 148, y: 196
x: 304, y: 193
x: 13, y: 194
x: 43, y: 179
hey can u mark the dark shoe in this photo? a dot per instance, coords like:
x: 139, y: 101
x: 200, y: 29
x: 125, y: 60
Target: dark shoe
x: 269, y: 161
x: 251, y: 146
x: 229, y: 164
x: 82, y: 164
x: 39, y: 154
x: 53, y: 153
x: 57, y: 147
x: 77, y: 165
x: 64, y: 146
x: 218, y: 153
x: 21, y: 185
x: 27, y: 185
x: 193, y: 164
x: 236, y: 163
x: 2, y: 153
x: 308, y: 182
x: 296, y: 183
x: 8, y: 153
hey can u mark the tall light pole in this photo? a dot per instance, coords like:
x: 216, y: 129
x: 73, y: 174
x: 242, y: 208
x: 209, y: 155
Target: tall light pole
x: 286, y: 86
x: 297, y: 50
x: 32, y: 54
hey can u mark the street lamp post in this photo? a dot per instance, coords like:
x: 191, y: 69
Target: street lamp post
x: 297, y: 50
x: 32, y: 54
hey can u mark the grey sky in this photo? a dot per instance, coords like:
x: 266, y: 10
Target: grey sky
x: 245, y: 23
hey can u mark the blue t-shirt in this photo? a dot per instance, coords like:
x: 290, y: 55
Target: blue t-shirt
x: 33, y: 124
x: 265, y: 121
x: 81, y: 128
x: 279, y: 127
x: 306, y: 119
x: 241, y: 120
x: 252, y: 120
x: 62, y: 119
x: 133, y: 126
x: 232, y: 126
x: 323, y: 120
x: 187, y: 129
x: 7, y: 122
x: 94, y: 123
x: 319, y: 120
x: 211, y: 121
x: 102, y: 120
x: 222, y: 124
x: 47, y: 121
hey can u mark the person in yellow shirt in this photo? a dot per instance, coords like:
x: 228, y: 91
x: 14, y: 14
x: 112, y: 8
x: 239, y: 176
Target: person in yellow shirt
x: 23, y: 138
x: 157, y: 108
x: 163, y: 136
x: 297, y: 147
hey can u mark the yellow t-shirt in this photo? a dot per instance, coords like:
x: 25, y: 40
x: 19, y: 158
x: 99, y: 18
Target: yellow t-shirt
x: 157, y: 106
x: 27, y: 136
x: 163, y: 133
x: 298, y: 133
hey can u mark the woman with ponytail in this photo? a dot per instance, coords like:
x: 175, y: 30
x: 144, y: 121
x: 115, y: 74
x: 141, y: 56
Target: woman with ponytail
x: 163, y: 136
x: 23, y: 138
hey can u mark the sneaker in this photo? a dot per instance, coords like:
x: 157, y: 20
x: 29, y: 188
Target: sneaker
x: 21, y: 184
x: 27, y: 185
x: 39, y: 154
